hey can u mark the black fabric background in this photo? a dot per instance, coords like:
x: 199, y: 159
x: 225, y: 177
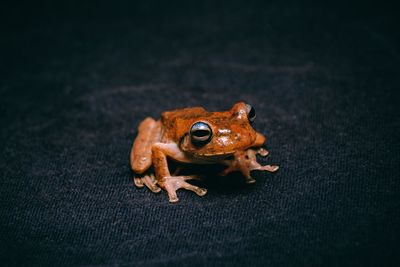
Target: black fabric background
x: 76, y: 80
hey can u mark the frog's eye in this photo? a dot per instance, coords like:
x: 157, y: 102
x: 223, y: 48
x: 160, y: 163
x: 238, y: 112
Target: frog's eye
x: 200, y: 133
x: 251, y: 113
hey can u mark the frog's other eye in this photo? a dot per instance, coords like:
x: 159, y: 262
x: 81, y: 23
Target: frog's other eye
x: 251, y: 113
x: 200, y: 133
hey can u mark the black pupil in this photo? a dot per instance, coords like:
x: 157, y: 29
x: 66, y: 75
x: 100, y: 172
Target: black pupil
x: 252, y: 113
x: 201, y: 133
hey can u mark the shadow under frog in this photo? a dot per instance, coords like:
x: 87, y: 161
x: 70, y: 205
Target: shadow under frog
x: 196, y: 136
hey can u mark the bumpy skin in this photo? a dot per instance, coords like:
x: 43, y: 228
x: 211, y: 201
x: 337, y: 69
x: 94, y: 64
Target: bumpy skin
x: 234, y: 143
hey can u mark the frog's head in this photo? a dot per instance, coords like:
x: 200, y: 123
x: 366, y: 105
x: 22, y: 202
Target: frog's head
x: 218, y: 135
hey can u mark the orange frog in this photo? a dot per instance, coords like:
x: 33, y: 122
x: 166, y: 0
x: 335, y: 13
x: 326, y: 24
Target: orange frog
x: 194, y: 135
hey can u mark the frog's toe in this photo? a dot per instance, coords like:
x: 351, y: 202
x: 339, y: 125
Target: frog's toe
x: 198, y: 190
x: 262, y: 152
x: 269, y: 168
x: 192, y: 177
x: 172, y: 196
x: 250, y: 180
x: 170, y: 186
x: 150, y: 182
x: 138, y: 182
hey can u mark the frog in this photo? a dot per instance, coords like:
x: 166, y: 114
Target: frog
x: 196, y: 136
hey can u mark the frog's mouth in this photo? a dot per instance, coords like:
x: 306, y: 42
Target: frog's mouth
x: 215, y: 156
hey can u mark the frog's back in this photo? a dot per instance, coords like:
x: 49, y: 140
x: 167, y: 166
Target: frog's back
x: 184, y: 113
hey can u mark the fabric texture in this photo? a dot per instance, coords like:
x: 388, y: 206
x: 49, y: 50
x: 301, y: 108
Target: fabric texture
x: 77, y: 79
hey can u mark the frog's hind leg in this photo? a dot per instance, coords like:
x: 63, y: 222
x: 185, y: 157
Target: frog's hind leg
x: 147, y: 180
x: 148, y: 134
x: 140, y: 158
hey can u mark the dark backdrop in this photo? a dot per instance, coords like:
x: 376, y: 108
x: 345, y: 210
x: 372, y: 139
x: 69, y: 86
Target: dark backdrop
x: 76, y: 80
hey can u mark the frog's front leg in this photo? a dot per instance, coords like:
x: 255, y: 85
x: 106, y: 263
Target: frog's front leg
x: 165, y: 180
x: 246, y: 161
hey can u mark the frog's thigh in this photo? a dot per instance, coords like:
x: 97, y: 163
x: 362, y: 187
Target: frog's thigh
x: 160, y: 152
x: 149, y: 133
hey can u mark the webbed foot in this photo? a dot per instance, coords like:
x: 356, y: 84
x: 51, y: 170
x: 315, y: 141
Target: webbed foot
x: 246, y: 162
x: 172, y: 183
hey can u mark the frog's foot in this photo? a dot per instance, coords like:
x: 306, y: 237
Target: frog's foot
x: 172, y: 183
x: 250, y: 160
x: 246, y: 162
x: 254, y: 165
x: 148, y: 180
